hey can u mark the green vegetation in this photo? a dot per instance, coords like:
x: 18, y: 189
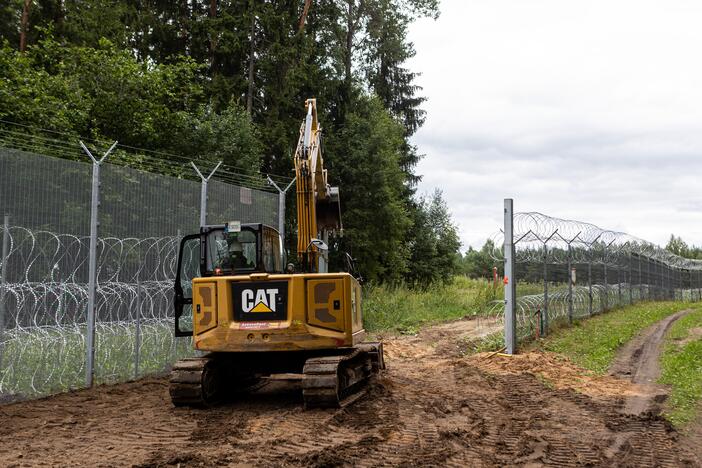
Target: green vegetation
x: 679, y: 247
x: 681, y: 367
x: 226, y: 80
x: 406, y: 310
x: 593, y: 343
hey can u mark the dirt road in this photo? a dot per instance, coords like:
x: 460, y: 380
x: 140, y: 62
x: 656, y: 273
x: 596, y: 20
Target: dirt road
x: 638, y: 362
x: 433, y: 407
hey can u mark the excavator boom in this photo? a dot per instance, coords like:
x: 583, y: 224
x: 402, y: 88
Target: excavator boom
x: 318, y: 209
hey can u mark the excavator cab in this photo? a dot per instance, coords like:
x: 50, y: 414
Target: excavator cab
x: 230, y: 249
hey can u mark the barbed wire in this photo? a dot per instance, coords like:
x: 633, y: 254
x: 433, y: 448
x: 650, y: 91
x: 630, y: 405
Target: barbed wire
x: 536, y: 235
x: 44, y: 304
x: 49, y: 142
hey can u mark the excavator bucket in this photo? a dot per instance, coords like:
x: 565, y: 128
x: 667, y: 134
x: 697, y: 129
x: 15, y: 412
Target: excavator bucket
x: 329, y: 212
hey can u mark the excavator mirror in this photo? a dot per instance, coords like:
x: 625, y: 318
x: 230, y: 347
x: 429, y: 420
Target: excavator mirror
x: 320, y: 244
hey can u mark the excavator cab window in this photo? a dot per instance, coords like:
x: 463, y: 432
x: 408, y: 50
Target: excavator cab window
x: 272, y: 250
x: 251, y: 248
x: 232, y: 252
x: 189, y: 263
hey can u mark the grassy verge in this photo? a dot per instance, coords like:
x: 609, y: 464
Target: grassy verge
x: 405, y: 310
x: 593, y: 343
x: 681, y: 367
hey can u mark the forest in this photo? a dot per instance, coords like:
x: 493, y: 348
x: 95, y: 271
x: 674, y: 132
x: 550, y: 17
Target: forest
x: 227, y: 80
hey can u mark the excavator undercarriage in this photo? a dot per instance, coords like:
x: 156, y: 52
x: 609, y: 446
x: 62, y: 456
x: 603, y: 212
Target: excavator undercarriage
x: 330, y: 378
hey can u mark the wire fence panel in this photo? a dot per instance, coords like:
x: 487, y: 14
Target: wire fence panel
x: 568, y: 270
x: 44, y: 288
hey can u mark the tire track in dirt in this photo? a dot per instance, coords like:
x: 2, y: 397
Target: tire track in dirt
x: 433, y: 407
x: 638, y: 361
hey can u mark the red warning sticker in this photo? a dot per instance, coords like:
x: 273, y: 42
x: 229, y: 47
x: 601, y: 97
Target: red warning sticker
x: 506, y: 280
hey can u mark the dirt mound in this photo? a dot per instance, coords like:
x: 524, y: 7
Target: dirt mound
x: 556, y: 371
x: 430, y: 409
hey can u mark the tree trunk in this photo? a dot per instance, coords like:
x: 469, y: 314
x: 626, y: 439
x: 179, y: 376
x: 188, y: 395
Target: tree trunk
x: 252, y: 43
x: 24, y: 25
x: 60, y: 13
x: 350, y: 31
x: 213, y: 35
x: 185, y: 17
x: 303, y: 18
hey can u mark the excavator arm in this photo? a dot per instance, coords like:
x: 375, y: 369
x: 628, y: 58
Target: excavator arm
x: 318, y: 210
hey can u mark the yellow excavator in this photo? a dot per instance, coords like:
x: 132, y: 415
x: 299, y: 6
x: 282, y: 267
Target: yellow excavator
x: 257, y: 320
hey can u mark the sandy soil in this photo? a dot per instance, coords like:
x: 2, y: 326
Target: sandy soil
x: 432, y: 407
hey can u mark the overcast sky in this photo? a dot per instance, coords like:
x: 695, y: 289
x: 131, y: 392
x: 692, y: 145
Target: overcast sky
x: 589, y: 110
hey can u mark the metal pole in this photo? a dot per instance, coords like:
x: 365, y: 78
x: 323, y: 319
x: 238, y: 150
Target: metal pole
x: 641, y: 297
x: 619, y: 284
x: 137, y: 333
x: 570, y: 286
x: 3, y: 281
x: 605, y: 305
x: 631, y: 282
x: 545, y: 319
x: 281, y: 205
x: 510, y: 280
x: 92, y: 264
x: 606, y: 278
x: 589, y: 282
x: 648, y: 278
x: 203, y: 191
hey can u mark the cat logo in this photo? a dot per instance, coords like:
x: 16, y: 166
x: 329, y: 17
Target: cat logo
x: 260, y: 300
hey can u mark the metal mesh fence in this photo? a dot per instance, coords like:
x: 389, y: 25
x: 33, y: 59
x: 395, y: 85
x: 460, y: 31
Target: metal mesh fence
x: 44, y: 288
x: 564, y: 270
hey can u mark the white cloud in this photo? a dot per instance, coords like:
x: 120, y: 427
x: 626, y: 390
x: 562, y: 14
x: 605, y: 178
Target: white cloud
x: 583, y: 110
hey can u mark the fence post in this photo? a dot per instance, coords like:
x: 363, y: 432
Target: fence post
x: 605, y: 305
x: 589, y: 282
x: 281, y: 205
x: 570, y: 286
x: 3, y: 281
x: 545, y: 319
x: 619, y: 283
x: 631, y: 281
x: 641, y: 296
x: 92, y: 263
x: 648, y: 278
x: 510, y: 280
x: 137, y: 333
x: 203, y: 191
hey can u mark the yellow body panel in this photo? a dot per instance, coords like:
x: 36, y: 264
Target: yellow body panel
x: 323, y: 311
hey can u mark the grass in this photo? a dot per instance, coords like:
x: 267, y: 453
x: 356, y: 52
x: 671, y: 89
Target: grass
x: 404, y: 310
x: 593, y: 343
x: 681, y: 368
